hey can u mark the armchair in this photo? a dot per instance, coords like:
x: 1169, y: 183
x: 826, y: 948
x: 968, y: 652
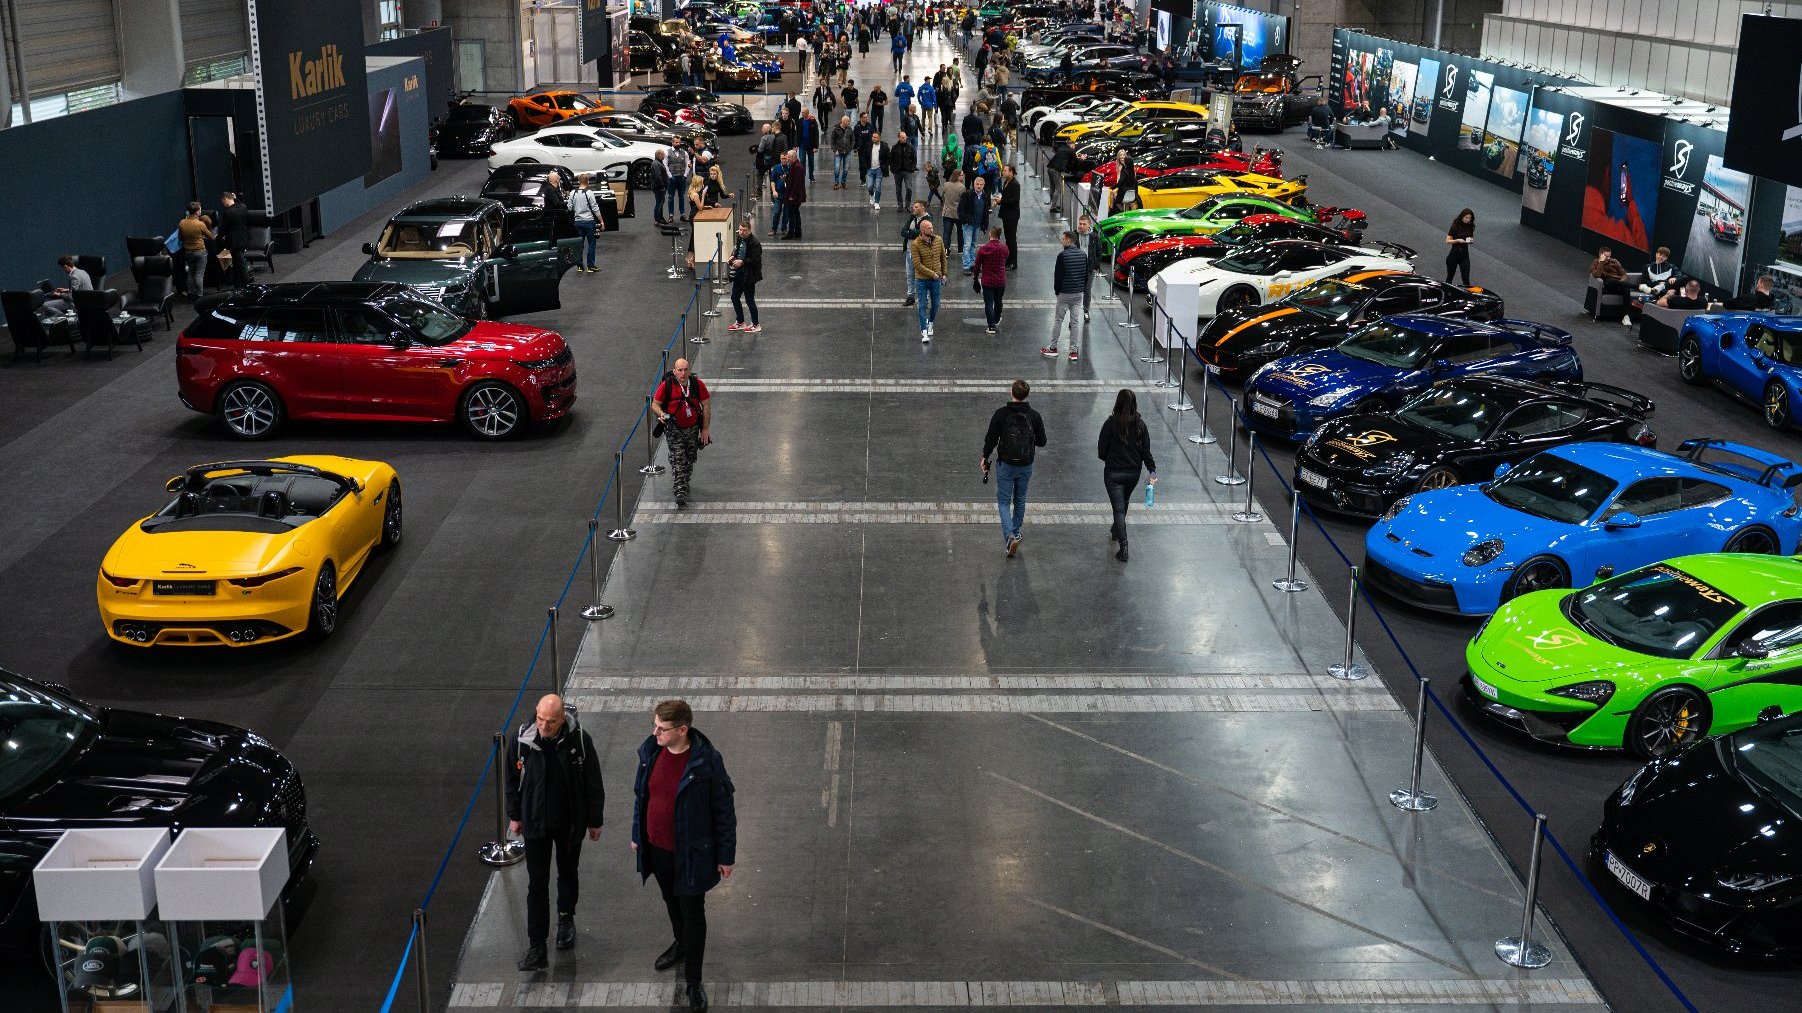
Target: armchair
x: 99, y: 330
x: 155, y: 295
x: 26, y: 329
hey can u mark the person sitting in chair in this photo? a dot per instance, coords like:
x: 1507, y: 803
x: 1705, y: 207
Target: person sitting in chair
x: 1688, y: 298
x: 61, y: 300
x: 1760, y: 298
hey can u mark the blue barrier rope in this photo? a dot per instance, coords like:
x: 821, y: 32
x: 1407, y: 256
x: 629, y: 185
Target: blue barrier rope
x: 406, y: 955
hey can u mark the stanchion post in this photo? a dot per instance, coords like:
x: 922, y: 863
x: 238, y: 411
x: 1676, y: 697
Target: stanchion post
x: 1347, y: 669
x: 1206, y: 436
x: 675, y: 256
x: 600, y: 609
x: 1232, y: 476
x: 1522, y: 950
x: 1169, y: 349
x: 422, y: 977
x: 1412, y: 799
x: 501, y: 851
x: 651, y: 467
x: 1291, y: 584
x: 1132, y: 323
x: 1250, y: 513
x: 556, y: 655
x: 620, y: 532
x: 713, y: 273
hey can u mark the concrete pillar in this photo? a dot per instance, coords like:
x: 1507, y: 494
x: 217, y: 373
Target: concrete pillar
x: 150, y: 47
x: 422, y: 13
x: 372, y: 22
x: 496, y: 23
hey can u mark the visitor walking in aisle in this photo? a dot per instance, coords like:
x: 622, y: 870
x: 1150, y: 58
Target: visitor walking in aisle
x: 1124, y: 448
x: 1015, y: 431
x: 991, y: 276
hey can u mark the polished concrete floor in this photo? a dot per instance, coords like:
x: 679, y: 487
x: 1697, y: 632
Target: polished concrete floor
x: 965, y: 779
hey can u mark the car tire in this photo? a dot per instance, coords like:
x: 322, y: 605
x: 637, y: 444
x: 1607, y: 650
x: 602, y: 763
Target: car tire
x: 1540, y: 573
x: 491, y: 410
x: 640, y: 177
x: 1755, y: 539
x: 527, y: 161
x: 1130, y: 240
x: 1441, y: 477
x: 1369, y: 406
x: 1237, y: 296
x: 250, y: 410
x: 393, y: 516
x: 1776, y: 405
x: 1689, y: 359
x: 322, y: 613
x: 1667, y: 721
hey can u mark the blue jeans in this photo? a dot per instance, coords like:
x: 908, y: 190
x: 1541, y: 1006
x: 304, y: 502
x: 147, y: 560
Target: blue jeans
x: 872, y: 182
x: 841, y: 169
x: 807, y: 160
x: 1010, y: 487
x: 585, y: 229
x: 928, y: 289
x: 675, y: 198
x: 778, y: 214
x: 969, y: 246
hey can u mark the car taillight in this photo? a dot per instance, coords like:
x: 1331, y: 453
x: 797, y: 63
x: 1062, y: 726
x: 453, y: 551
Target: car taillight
x: 259, y: 581
x: 119, y: 582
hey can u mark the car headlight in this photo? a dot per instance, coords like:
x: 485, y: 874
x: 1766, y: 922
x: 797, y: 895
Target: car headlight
x: 1627, y: 791
x: 1483, y: 553
x: 1327, y: 400
x: 1269, y: 348
x: 1395, y: 464
x: 1597, y: 692
x: 1395, y: 509
x: 1752, y: 882
x: 535, y: 364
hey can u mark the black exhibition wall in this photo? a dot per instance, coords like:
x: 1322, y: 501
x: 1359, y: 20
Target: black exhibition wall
x: 315, y: 97
x: 399, y: 140
x: 1764, y: 136
x: 434, y: 46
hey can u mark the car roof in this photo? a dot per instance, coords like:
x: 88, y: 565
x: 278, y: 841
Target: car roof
x: 447, y: 207
x: 1512, y: 390
x: 314, y: 292
x: 1751, y: 577
x: 1628, y: 462
x: 1441, y: 327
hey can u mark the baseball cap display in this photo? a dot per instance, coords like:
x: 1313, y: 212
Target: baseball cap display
x: 106, y: 968
x: 213, y: 966
x: 251, y: 966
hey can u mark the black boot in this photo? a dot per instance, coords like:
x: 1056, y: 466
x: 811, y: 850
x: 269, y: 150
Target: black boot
x: 566, y: 931
x: 697, y: 997
x: 534, y: 960
x: 1121, y: 555
x: 669, y: 958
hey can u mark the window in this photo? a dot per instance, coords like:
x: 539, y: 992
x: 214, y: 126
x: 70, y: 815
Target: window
x: 215, y: 70
x: 290, y: 324
x: 1543, y: 418
x: 1467, y: 348
x: 1399, y: 300
x: 1648, y: 497
x: 1774, y: 628
x: 1702, y: 493
x: 225, y: 323
x: 360, y: 325
x: 388, y: 13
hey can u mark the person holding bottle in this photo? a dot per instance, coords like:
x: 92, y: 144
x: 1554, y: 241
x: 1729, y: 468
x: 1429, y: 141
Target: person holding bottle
x: 1124, y: 448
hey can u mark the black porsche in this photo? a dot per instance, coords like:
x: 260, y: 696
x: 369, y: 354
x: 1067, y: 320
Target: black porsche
x: 472, y: 128
x: 1458, y: 431
x: 72, y: 765
x: 1708, y: 838
x: 1237, y: 341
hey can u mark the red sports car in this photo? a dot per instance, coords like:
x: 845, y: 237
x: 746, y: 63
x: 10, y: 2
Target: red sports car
x: 1164, y: 161
x: 367, y: 351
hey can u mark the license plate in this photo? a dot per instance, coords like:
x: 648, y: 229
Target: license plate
x: 183, y: 587
x: 1486, y: 689
x: 1315, y: 480
x: 1628, y: 877
x: 1264, y: 408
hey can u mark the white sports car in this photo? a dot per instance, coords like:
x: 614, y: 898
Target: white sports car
x: 1059, y: 118
x: 581, y: 149
x: 1257, y: 274
x: 1074, y: 105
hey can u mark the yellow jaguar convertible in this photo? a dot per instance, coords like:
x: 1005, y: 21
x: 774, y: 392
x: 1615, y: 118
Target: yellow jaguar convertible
x: 1182, y: 189
x: 249, y: 552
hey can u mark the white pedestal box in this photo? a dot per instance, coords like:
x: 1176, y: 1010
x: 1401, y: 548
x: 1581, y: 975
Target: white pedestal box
x: 220, y: 891
x: 1176, y: 326
x: 96, y: 891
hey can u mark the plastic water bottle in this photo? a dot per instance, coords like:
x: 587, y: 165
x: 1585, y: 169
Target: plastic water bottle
x: 1151, y: 494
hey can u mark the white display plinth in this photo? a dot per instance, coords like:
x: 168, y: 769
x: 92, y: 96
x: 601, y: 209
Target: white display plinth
x: 100, y: 875
x: 96, y: 890
x: 211, y: 874
x: 1177, y: 324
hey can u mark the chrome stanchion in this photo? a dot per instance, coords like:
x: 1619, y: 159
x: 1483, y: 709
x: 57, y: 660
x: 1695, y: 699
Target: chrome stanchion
x: 651, y: 467
x: 1292, y: 584
x: 501, y: 851
x: 1206, y: 436
x: 1412, y: 799
x: 1169, y: 349
x: 556, y: 656
x: 1250, y: 513
x: 1347, y: 669
x: 422, y: 978
x: 1132, y: 323
x: 620, y: 532
x: 1521, y: 950
x: 1182, y: 403
x: 600, y: 609
x: 1232, y: 476
x: 713, y: 273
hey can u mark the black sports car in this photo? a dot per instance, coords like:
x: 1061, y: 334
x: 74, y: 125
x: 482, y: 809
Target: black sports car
x: 520, y: 187
x: 1238, y: 341
x: 73, y: 765
x: 714, y: 113
x: 470, y: 128
x: 1458, y: 431
x: 1707, y: 837
x: 636, y: 126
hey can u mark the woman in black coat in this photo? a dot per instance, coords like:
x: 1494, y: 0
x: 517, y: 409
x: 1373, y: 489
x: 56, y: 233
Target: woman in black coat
x: 1124, y: 448
x: 1458, y: 238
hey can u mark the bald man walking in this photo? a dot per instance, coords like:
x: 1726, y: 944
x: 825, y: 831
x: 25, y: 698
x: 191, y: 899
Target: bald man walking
x: 554, y: 792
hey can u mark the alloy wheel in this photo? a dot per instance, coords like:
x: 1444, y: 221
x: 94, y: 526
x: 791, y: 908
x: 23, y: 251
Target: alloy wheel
x: 249, y: 410
x: 492, y: 411
x: 1776, y: 406
x: 391, y: 517
x: 1689, y: 360
x: 325, y: 602
x: 1669, y: 723
x: 1754, y: 540
x: 1438, y: 478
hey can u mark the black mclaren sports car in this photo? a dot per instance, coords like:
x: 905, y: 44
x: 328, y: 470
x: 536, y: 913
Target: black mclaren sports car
x: 1458, y: 431
x: 1707, y: 837
x: 1238, y: 341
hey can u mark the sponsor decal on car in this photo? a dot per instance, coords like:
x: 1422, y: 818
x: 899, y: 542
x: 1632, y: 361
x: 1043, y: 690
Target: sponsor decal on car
x: 1301, y: 372
x: 1707, y: 592
x: 1359, y: 446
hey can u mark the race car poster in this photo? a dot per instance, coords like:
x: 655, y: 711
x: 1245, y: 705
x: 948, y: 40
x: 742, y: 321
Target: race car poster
x: 1620, y: 200
x: 1476, y: 110
x: 1401, y: 95
x: 1420, y: 108
x: 1714, y: 249
x: 1501, y: 135
x: 1544, y: 128
x: 1357, y: 79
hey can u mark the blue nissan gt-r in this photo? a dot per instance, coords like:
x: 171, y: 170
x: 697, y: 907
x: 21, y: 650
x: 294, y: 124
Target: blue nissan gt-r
x: 1757, y: 356
x: 1384, y: 362
x: 1577, y: 513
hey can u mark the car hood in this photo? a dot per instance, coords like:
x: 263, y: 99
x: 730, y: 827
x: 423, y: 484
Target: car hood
x: 1360, y: 442
x: 1250, y: 326
x: 1194, y: 246
x: 448, y: 272
x: 1443, y: 523
x: 204, y: 555
x: 495, y: 340
x: 463, y: 131
x: 1693, y: 816
x: 1119, y: 222
x: 1530, y: 641
x: 1319, y: 373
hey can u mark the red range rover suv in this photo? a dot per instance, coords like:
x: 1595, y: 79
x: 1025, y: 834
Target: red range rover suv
x: 367, y: 351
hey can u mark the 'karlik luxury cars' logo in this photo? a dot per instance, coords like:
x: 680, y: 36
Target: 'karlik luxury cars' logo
x: 1673, y: 179
x: 307, y: 78
x: 1573, y: 136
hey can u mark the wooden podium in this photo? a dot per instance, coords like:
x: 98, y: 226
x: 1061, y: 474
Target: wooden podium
x: 713, y: 226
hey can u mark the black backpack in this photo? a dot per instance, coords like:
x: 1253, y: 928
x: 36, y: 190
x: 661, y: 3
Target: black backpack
x: 1016, y: 444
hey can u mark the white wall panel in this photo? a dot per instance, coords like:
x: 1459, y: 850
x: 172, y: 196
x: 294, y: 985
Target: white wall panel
x: 1720, y: 68
x: 1664, y: 19
x: 1639, y: 69
x: 1589, y: 44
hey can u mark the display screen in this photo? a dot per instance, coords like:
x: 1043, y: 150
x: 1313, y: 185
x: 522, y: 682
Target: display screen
x: 1165, y: 23
x: 1544, y: 127
x: 384, y: 137
x: 1403, y: 79
x: 1258, y: 34
x: 1620, y: 200
x: 1476, y: 109
x: 1420, y: 109
x: 1501, y: 135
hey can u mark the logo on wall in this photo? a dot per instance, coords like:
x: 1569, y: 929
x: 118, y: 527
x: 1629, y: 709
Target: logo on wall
x: 1448, y: 95
x: 1673, y: 179
x: 307, y: 78
x: 1573, y: 134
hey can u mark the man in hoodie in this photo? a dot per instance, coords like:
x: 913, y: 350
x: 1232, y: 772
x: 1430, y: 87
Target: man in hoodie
x: 554, y: 793
x: 684, y: 832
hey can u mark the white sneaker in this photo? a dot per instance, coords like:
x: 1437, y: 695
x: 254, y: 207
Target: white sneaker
x: 925, y: 336
x: 931, y: 330
x: 875, y: 205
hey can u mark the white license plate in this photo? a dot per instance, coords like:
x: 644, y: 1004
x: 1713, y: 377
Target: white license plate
x: 1628, y: 877
x: 1486, y: 689
x: 1264, y: 409
x: 1313, y: 479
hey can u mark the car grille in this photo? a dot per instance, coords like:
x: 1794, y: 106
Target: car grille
x: 291, y: 803
x: 1430, y: 593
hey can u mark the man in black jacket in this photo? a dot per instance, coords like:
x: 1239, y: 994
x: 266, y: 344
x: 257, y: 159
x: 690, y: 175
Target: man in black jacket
x: 553, y: 792
x: 234, y: 233
x: 903, y: 163
x: 1009, y: 213
x: 1016, y: 431
x: 1069, y: 277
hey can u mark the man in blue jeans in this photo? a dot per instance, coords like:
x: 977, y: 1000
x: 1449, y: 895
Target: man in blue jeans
x: 1016, y: 431
x: 931, y: 262
x: 676, y: 194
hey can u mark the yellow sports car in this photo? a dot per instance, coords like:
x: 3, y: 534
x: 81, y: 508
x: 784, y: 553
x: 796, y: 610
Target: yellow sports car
x: 1133, y: 119
x: 1182, y: 189
x: 249, y: 552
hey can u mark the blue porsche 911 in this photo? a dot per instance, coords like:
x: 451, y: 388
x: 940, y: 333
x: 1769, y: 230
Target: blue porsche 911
x: 1573, y: 514
x: 1757, y: 356
x: 1384, y: 362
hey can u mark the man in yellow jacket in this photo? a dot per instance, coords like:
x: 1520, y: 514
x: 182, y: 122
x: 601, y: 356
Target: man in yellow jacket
x: 931, y: 261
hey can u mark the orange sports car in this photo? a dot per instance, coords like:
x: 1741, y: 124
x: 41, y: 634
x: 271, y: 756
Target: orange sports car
x: 541, y: 109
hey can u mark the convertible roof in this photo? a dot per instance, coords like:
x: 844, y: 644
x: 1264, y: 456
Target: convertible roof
x: 446, y: 207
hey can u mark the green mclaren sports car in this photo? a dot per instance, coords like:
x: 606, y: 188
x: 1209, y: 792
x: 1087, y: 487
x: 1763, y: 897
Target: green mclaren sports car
x: 1201, y: 219
x: 1650, y: 660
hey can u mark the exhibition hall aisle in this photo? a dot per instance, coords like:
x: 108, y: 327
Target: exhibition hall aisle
x: 967, y: 779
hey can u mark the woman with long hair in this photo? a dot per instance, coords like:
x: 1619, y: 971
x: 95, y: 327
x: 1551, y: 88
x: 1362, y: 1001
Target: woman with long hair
x: 1459, y: 237
x: 1124, y: 448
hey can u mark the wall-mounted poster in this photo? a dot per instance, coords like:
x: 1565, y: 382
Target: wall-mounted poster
x: 1501, y: 135
x: 1420, y: 110
x: 1401, y: 95
x: 1544, y: 127
x: 384, y: 137
x: 1714, y: 250
x: 1164, y: 24
x: 1358, y: 64
x: 1476, y: 110
x: 1620, y: 200
x: 1226, y: 43
x: 1789, y: 243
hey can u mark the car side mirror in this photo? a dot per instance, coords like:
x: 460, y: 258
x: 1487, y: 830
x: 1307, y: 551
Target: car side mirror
x: 506, y: 251
x: 1604, y: 571
x: 1769, y: 714
x: 1751, y: 650
x: 175, y: 484
x: 369, y: 249
x: 1501, y: 470
x: 399, y: 339
x: 1623, y: 521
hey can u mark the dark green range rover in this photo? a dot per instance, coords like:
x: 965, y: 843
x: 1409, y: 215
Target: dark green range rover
x: 474, y: 256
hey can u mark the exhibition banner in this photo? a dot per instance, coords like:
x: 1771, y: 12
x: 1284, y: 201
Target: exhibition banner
x: 591, y: 32
x: 314, y: 114
x: 1242, y: 36
x: 1764, y: 133
x: 434, y: 46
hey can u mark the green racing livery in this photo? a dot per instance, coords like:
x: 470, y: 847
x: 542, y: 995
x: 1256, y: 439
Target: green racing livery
x: 1204, y: 218
x: 1650, y: 660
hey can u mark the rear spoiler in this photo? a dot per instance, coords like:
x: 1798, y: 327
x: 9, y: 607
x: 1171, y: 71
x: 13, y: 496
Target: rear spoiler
x: 1393, y: 249
x: 1775, y: 467
x: 1543, y: 333
x: 1635, y: 404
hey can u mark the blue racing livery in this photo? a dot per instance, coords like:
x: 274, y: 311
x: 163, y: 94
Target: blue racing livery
x: 1575, y: 514
x: 1386, y: 361
x: 1757, y: 356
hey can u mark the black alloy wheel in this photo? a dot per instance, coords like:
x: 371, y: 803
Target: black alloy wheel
x: 1669, y: 720
x: 391, y: 516
x: 1776, y: 405
x: 1755, y: 539
x: 1689, y: 359
x: 322, y: 619
x: 1233, y: 298
x: 1540, y: 573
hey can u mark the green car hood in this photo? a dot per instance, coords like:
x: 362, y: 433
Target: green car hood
x: 1530, y: 642
x: 448, y: 273
x: 1122, y: 220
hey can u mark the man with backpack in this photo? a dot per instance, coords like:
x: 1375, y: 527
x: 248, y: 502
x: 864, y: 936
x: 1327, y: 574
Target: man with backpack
x: 684, y: 410
x: 1016, y: 431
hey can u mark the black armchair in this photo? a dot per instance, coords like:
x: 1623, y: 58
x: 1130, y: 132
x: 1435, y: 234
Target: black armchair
x: 259, y: 244
x: 26, y: 329
x: 155, y: 296
x: 94, y: 266
x: 99, y: 330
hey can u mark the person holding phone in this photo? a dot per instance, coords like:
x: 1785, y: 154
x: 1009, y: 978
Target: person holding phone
x: 1458, y: 238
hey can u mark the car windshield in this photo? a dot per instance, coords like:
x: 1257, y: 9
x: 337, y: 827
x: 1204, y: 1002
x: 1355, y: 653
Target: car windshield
x: 1252, y: 260
x: 1333, y: 300
x: 39, y: 731
x: 1450, y: 411
x: 1388, y: 345
x: 1201, y: 209
x: 1659, y: 610
x: 1553, y: 487
x: 429, y: 238
x: 270, y: 504
x: 431, y: 324
x: 1770, y: 756
x: 470, y: 114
